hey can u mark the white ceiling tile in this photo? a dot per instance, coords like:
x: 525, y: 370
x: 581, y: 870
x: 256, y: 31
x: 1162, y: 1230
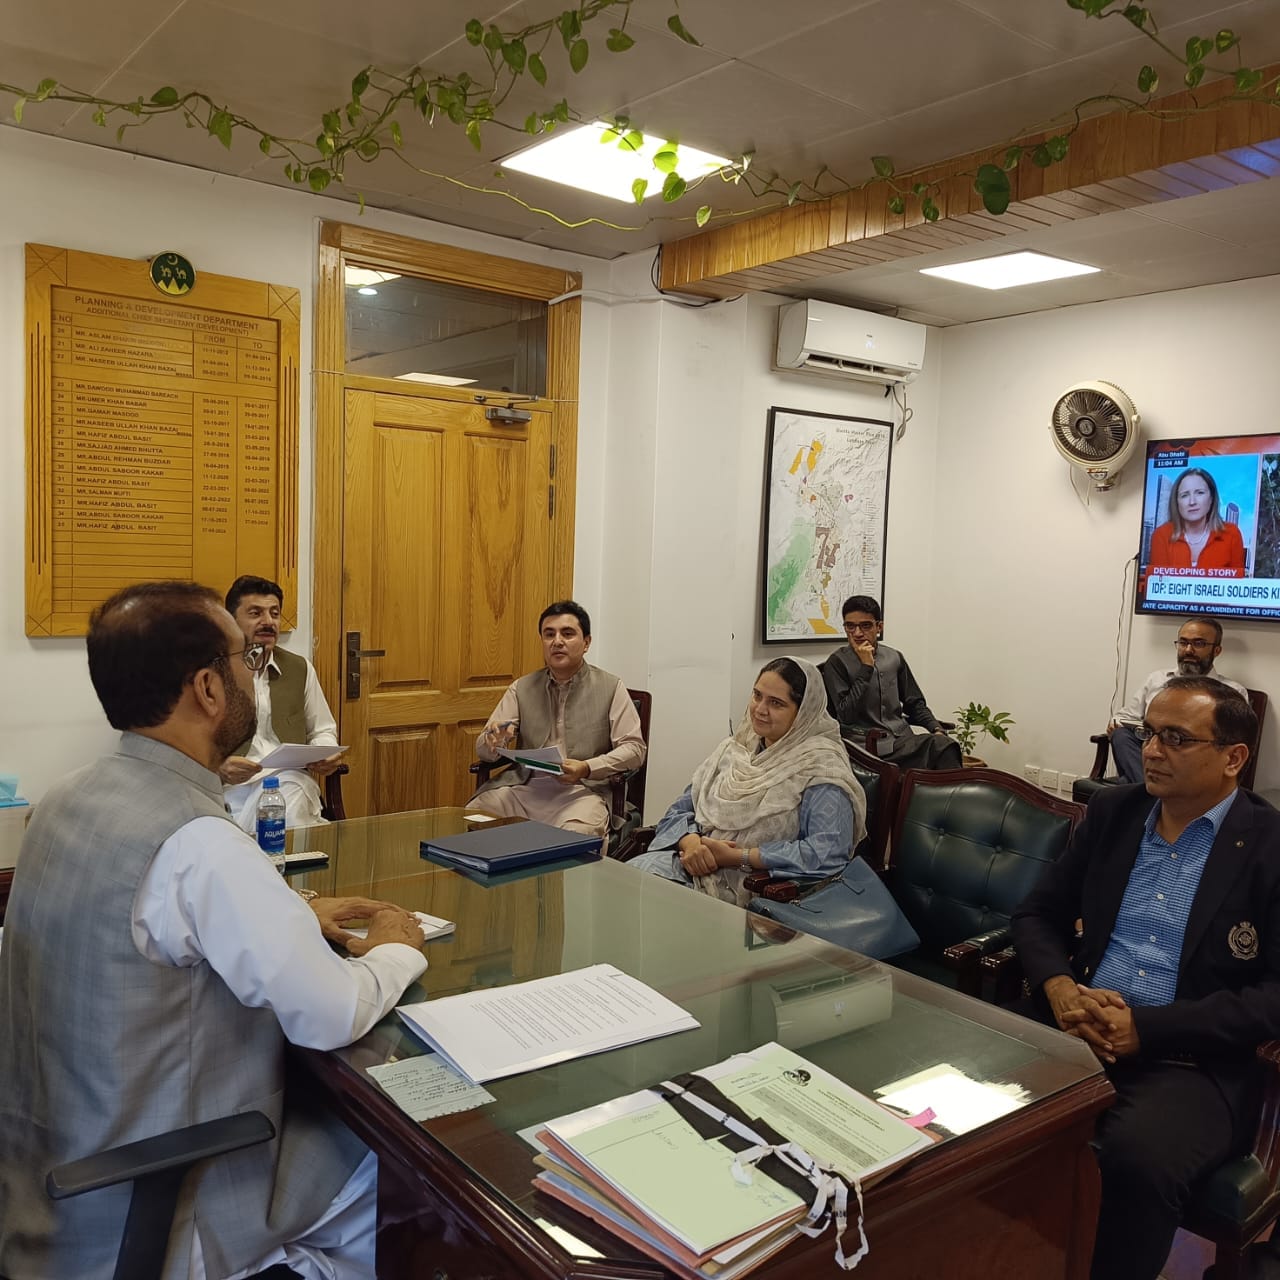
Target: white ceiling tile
x: 739, y: 27
x: 103, y: 35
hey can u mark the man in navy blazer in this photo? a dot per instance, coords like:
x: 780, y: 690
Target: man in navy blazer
x: 1175, y: 979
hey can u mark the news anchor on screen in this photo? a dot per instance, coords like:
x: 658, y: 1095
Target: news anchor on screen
x: 1195, y: 536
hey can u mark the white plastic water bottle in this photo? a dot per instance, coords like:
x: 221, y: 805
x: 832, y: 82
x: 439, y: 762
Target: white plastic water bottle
x: 271, y: 822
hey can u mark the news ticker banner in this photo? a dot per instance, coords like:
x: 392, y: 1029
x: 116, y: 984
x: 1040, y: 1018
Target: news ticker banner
x: 162, y: 433
x: 1221, y: 592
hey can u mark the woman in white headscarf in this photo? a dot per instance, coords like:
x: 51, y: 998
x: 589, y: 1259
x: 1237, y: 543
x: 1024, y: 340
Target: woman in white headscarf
x: 778, y: 796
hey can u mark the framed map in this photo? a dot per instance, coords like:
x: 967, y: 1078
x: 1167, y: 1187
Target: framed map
x: 826, y: 513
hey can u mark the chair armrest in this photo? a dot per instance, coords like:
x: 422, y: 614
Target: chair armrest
x: 635, y: 844
x: 963, y: 958
x: 166, y: 1152
x: 334, y: 809
x: 1102, y: 742
x: 1005, y: 971
x: 486, y: 769
x: 1266, y: 1143
x: 946, y: 725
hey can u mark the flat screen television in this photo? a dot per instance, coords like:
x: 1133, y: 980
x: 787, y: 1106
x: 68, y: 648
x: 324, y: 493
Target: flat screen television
x: 1211, y: 527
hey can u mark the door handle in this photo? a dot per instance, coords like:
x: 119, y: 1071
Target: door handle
x: 354, y: 654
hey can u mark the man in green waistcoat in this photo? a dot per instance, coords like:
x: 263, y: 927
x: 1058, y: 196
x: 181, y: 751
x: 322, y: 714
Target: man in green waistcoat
x: 572, y: 705
x: 290, y: 709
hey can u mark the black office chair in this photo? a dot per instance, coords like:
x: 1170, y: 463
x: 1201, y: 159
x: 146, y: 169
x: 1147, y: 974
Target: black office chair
x: 156, y: 1167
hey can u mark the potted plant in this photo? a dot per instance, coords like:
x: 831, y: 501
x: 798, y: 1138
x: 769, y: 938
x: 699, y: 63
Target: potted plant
x: 975, y: 722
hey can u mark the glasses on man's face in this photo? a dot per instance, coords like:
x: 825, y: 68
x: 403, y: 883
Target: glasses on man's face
x: 859, y: 628
x: 1198, y: 645
x: 254, y: 656
x: 1173, y: 739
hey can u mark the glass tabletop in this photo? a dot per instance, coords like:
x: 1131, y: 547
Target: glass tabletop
x: 887, y: 1033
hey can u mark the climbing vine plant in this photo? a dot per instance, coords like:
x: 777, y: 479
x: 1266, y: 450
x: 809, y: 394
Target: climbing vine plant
x: 383, y: 104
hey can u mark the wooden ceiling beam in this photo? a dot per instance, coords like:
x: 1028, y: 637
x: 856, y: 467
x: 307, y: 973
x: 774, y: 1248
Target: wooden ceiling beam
x: 1121, y: 160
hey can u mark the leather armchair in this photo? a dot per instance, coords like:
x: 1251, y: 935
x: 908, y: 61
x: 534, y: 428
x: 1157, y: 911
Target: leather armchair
x: 967, y: 847
x: 156, y: 1167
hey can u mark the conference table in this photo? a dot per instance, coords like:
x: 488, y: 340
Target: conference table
x: 1009, y: 1190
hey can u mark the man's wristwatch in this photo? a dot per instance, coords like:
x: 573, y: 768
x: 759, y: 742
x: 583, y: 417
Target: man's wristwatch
x: 746, y: 862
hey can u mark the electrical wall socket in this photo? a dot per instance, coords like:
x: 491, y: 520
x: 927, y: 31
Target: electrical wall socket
x: 1049, y: 779
x: 1065, y: 782
x: 1032, y: 773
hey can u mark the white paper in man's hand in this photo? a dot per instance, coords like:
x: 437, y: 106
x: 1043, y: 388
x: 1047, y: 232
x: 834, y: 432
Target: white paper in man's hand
x: 297, y: 755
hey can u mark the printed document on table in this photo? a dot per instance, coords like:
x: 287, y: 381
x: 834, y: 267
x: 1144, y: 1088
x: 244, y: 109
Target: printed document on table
x: 297, y: 755
x: 424, y: 1087
x: 503, y: 1031
x: 543, y: 759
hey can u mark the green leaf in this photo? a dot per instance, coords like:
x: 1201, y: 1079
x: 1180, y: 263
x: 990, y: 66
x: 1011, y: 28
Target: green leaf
x: 609, y: 135
x: 897, y: 205
x: 570, y: 24
x: 331, y: 122
x: 324, y: 144
x: 397, y: 134
x: 264, y: 145
x: 1136, y: 14
x: 792, y: 192
x: 665, y: 161
x: 1225, y: 39
x: 493, y: 39
x: 1058, y: 147
x: 531, y: 122
x: 1011, y: 157
x: 1148, y: 80
x: 47, y: 86
x: 318, y: 179
x: 883, y: 166
x: 1194, y: 76
x: 19, y: 104
x: 673, y: 188
x: 359, y: 85
x: 536, y: 69
x: 675, y: 25
x: 918, y: 188
x: 703, y: 215
x: 992, y: 183
x: 1094, y: 8
x: 578, y: 52
x: 633, y: 141
x: 369, y: 149
x: 220, y: 124
x: 1040, y: 157
x: 475, y: 31
x: 100, y: 117
x: 473, y: 133
x: 618, y: 41
x: 1247, y: 79
x: 120, y: 132
x: 353, y: 112
x: 929, y: 209
x: 165, y: 97
x: 639, y: 189
x: 561, y: 111
x: 515, y: 55
x: 1195, y: 50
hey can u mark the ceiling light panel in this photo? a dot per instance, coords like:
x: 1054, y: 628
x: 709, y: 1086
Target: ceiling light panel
x: 1010, y: 270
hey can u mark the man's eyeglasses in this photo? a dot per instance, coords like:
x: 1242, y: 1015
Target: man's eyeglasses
x: 254, y: 656
x: 1173, y: 739
x: 855, y: 628
x: 1198, y: 645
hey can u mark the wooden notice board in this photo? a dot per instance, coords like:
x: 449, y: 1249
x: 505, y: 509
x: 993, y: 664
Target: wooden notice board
x: 162, y: 434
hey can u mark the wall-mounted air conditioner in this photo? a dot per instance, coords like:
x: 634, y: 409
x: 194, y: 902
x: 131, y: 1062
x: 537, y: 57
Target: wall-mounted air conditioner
x: 820, y: 337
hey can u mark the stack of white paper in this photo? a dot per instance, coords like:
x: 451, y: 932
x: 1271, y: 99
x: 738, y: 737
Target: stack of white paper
x: 503, y: 1031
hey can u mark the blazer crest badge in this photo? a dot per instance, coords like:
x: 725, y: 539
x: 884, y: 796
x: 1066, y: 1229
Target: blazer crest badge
x: 1243, y: 941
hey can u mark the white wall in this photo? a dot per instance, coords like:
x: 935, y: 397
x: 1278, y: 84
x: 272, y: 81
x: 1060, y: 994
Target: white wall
x: 689, y: 396
x: 89, y: 198
x: 1026, y: 582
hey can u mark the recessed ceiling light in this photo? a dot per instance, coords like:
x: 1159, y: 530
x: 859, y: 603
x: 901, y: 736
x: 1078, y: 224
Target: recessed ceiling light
x: 363, y: 277
x: 439, y: 379
x: 1010, y: 270
x: 579, y: 159
x: 368, y: 290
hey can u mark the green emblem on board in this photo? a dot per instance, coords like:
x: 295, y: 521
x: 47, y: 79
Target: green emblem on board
x: 171, y: 273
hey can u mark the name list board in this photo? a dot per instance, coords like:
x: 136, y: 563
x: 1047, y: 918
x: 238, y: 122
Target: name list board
x: 162, y: 434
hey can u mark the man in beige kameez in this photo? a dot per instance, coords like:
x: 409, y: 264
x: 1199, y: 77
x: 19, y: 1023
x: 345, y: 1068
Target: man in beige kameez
x: 570, y: 704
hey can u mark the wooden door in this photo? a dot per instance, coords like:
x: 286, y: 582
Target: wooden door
x: 446, y: 564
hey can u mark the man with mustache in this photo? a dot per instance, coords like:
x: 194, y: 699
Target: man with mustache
x: 1199, y: 642
x: 572, y: 705
x: 154, y: 963
x: 290, y: 707
x: 1155, y: 939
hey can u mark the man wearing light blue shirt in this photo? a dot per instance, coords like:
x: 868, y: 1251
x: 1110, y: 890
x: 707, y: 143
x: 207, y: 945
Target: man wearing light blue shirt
x: 1175, y: 978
